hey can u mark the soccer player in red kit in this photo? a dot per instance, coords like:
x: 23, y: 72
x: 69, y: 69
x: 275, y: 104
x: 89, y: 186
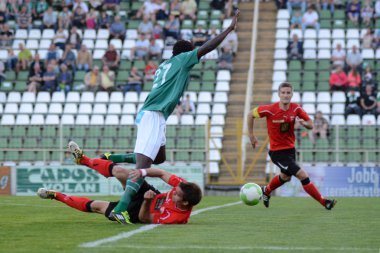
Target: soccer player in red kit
x: 148, y: 205
x: 281, y: 117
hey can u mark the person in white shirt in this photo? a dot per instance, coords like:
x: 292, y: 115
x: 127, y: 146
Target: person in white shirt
x: 310, y: 19
x: 338, y: 56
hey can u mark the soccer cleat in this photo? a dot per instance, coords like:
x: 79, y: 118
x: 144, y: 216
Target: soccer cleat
x: 76, y: 151
x: 122, y: 217
x: 266, y: 197
x: 330, y: 203
x: 44, y: 193
x: 105, y: 156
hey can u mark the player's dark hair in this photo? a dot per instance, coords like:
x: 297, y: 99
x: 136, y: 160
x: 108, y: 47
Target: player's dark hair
x: 285, y: 85
x: 191, y: 193
x: 182, y: 46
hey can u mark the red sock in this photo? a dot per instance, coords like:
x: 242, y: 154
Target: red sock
x: 78, y: 203
x: 313, y: 191
x: 100, y: 165
x: 274, y: 184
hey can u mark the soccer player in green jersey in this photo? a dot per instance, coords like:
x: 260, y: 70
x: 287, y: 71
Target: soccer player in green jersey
x: 170, y: 82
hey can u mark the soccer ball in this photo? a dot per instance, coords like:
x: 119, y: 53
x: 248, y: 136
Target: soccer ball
x: 251, y: 194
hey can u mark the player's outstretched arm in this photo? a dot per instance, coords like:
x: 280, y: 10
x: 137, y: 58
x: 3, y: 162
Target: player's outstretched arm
x: 215, y: 42
x: 251, y: 123
x: 151, y: 172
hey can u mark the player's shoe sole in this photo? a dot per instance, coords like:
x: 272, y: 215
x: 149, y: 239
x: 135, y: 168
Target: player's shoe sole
x: 105, y: 156
x: 266, y: 197
x: 122, y: 217
x: 330, y: 203
x: 44, y: 193
x: 75, y: 151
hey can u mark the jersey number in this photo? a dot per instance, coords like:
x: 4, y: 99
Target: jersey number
x: 166, y: 68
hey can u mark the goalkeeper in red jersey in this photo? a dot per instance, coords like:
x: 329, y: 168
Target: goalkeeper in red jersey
x: 281, y: 117
x: 148, y: 205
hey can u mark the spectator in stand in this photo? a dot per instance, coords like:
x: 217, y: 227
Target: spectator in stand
x: 188, y: 10
x: 188, y: 105
x: 91, y: 19
x: 82, y: 5
x: 35, y: 79
x: 134, y: 82
x: 353, y: 11
x: 69, y: 58
x: 354, y: 80
x: 368, y: 77
x: 65, y: 79
x: 49, y: 19
x: 338, y: 56
x: 161, y: 12
x: 24, y: 58
x: 354, y: 58
x: 155, y: 49
x: 172, y: 27
x: 52, y: 54
x: 231, y: 40
x: 331, y: 3
x: 111, y: 5
x: 111, y: 58
x: 104, y: 21
x: 320, y: 127
x: 225, y: 59
x: 84, y: 59
x: 149, y: 8
x: 367, y: 13
x: 149, y: 71
x: 37, y: 61
x: 299, y: 4
x: 24, y: 20
x: 96, y: 4
x: 64, y: 18
x: 2, y: 74
x: 92, y: 79
x: 11, y: 59
x: 310, y: 19
x: 199, y: 36
x: 295, y: 49
x: 175, y: 8
x: 376, y: 41
x: 378, y: 104
x: 296, y: 20
x: 377, y: 9
x: 368, y: 101
x: 117, y: 29
x: 74, y: 38
x: 368, y: 39
x: 107, y: 80
x: 60, y: 38
x: 352, y: 103
x: 338, y: 79
x: 178, y: 111
x: 157, y: 31
x: 11, y: 9
x: 146, y: 26
x: 6, y: 36
x: 68, y: 3
x: 3, y: 15
x: 141, y: 49
x: 79, y: 18
x: 213, y: 33
x: 50, y: 79
x: 40, y: 7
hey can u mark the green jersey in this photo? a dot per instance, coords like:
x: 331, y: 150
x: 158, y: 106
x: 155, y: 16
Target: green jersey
x: 170, y: 82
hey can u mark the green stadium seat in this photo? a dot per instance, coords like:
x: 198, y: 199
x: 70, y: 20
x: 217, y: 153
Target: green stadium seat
x: 294, y: 77
x: 339, y: 14
x: 352, y: 132
x: 210, y: 64
x: 197, y: 156
x: 369, y: 132
x: 15, y: 142
x: 310, y: 65
x: 91, y: 143
x: 125, y: 65
x: 322, y: 156
x: 181, y: 156
x: 171, y: 131
x: 183, y: 143
x: 19, y: 131
x: 79, y: 131
x: 194, y: 86
x: 10, y: 76
x: 202, y: 15
x: 11, y: 156
x: 79, y: 76
x: 56, y: 156
x: 122, y: 77
x: 49, y: 131
x: 133, y: 24
x: 3, y: 142
x: 208, y: 86
x: 322, y: 144
x: 6, y: 86
x: 307, y: 156
x: 95, y: 131
x: 170, y: 143
x: 66, y: 131
x: 30, y: 143
x: 306, y: 143
x: 199, y: 131
x: 27, y: 156
x: 122, y: 144
x: 20, y: 86
x: 295, y: 65
x: 198, y: 143
x: 140, y: 64
x: 208, y: 76
x: 48, y: 143
x: 325, y: 14
x: 148, y: 85
x: 187, y: 24
x: 309, y: 77
x: 125, y: 132
x: 324, y: 65
x: 22, y: 76
x: 34, y: 131
x: 5, y: 131
x: 106, y: 143
x: 369, y: 143
x: 185, y: 131
x: 110, y: 131
x: 308, y: 86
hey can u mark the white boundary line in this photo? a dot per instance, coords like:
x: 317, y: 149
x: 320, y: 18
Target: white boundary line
x: 242, y: 248
x: 144, y: 228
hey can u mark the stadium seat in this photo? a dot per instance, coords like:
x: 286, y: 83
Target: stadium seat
x: 114, y: 109
x: 26, y: 108
x: 55, y: 108
x: 283, y: 14
x: 353, y: 120
x: 172, y: 120
x: 368, y: 119
x: 204, y: 97
x: 103, y: 34
x: 85, y: 108
x: 97, y: 119
x: 187, y: 120
x: 201, y: 119
x: 338, y: 97
x: 338, y: 108
x: 131, y: 97
x: 127, y: 120
x: 22, y: 119
x: 67, y: 119
x: 11, y: 108
x: 82, y: 120
x: 72, y: 97
x: 100, y: 109
x: 219, y: 97
x: 309, y: 108
x: 37, y: 119
x: 217, y: 120
x: 129, y: 108
x: 219, y: 109
x: 281, y: 44
x: 112, y: 120
x: 58, y: 97
x: 308, y: 97
x: 324, y: 108
x: 323, y: 97
x: 101, y: 97
x: 14, y: 97
x: 116, y: 97
x: 52, y: 120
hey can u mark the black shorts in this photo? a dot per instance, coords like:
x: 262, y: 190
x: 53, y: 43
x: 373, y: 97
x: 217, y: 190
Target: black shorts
x: 286, y: 160
x: 135, y: 205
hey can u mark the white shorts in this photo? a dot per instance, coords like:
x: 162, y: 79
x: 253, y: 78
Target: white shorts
x: 151, y: 128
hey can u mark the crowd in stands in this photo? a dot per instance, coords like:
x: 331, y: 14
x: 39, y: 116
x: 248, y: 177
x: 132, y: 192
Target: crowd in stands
x: 160, y: 23
x: 349, y: 71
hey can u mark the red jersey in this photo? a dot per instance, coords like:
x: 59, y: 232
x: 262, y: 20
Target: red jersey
x: 280, y: 124
x: 164, y: 209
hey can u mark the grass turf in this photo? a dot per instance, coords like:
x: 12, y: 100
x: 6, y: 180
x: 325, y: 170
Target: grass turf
x: 30, y: 224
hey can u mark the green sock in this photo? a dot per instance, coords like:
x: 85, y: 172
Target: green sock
x: 131, y: 189
x: 122, y: 158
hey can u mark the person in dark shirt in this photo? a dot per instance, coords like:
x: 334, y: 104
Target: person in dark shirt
x: 368, y: 101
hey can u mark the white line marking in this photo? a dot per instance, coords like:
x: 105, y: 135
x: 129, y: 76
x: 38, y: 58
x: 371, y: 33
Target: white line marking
x: 241, y: 248
x: 144, y: 228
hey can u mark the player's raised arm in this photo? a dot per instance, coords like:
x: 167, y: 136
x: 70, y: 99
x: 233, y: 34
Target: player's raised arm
x: 251, y: 123
x: 151, y: 172
x: 215, y: 42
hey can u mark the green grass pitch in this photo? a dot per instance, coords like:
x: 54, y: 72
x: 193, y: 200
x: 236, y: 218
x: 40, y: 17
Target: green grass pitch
x: 33, y: 225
